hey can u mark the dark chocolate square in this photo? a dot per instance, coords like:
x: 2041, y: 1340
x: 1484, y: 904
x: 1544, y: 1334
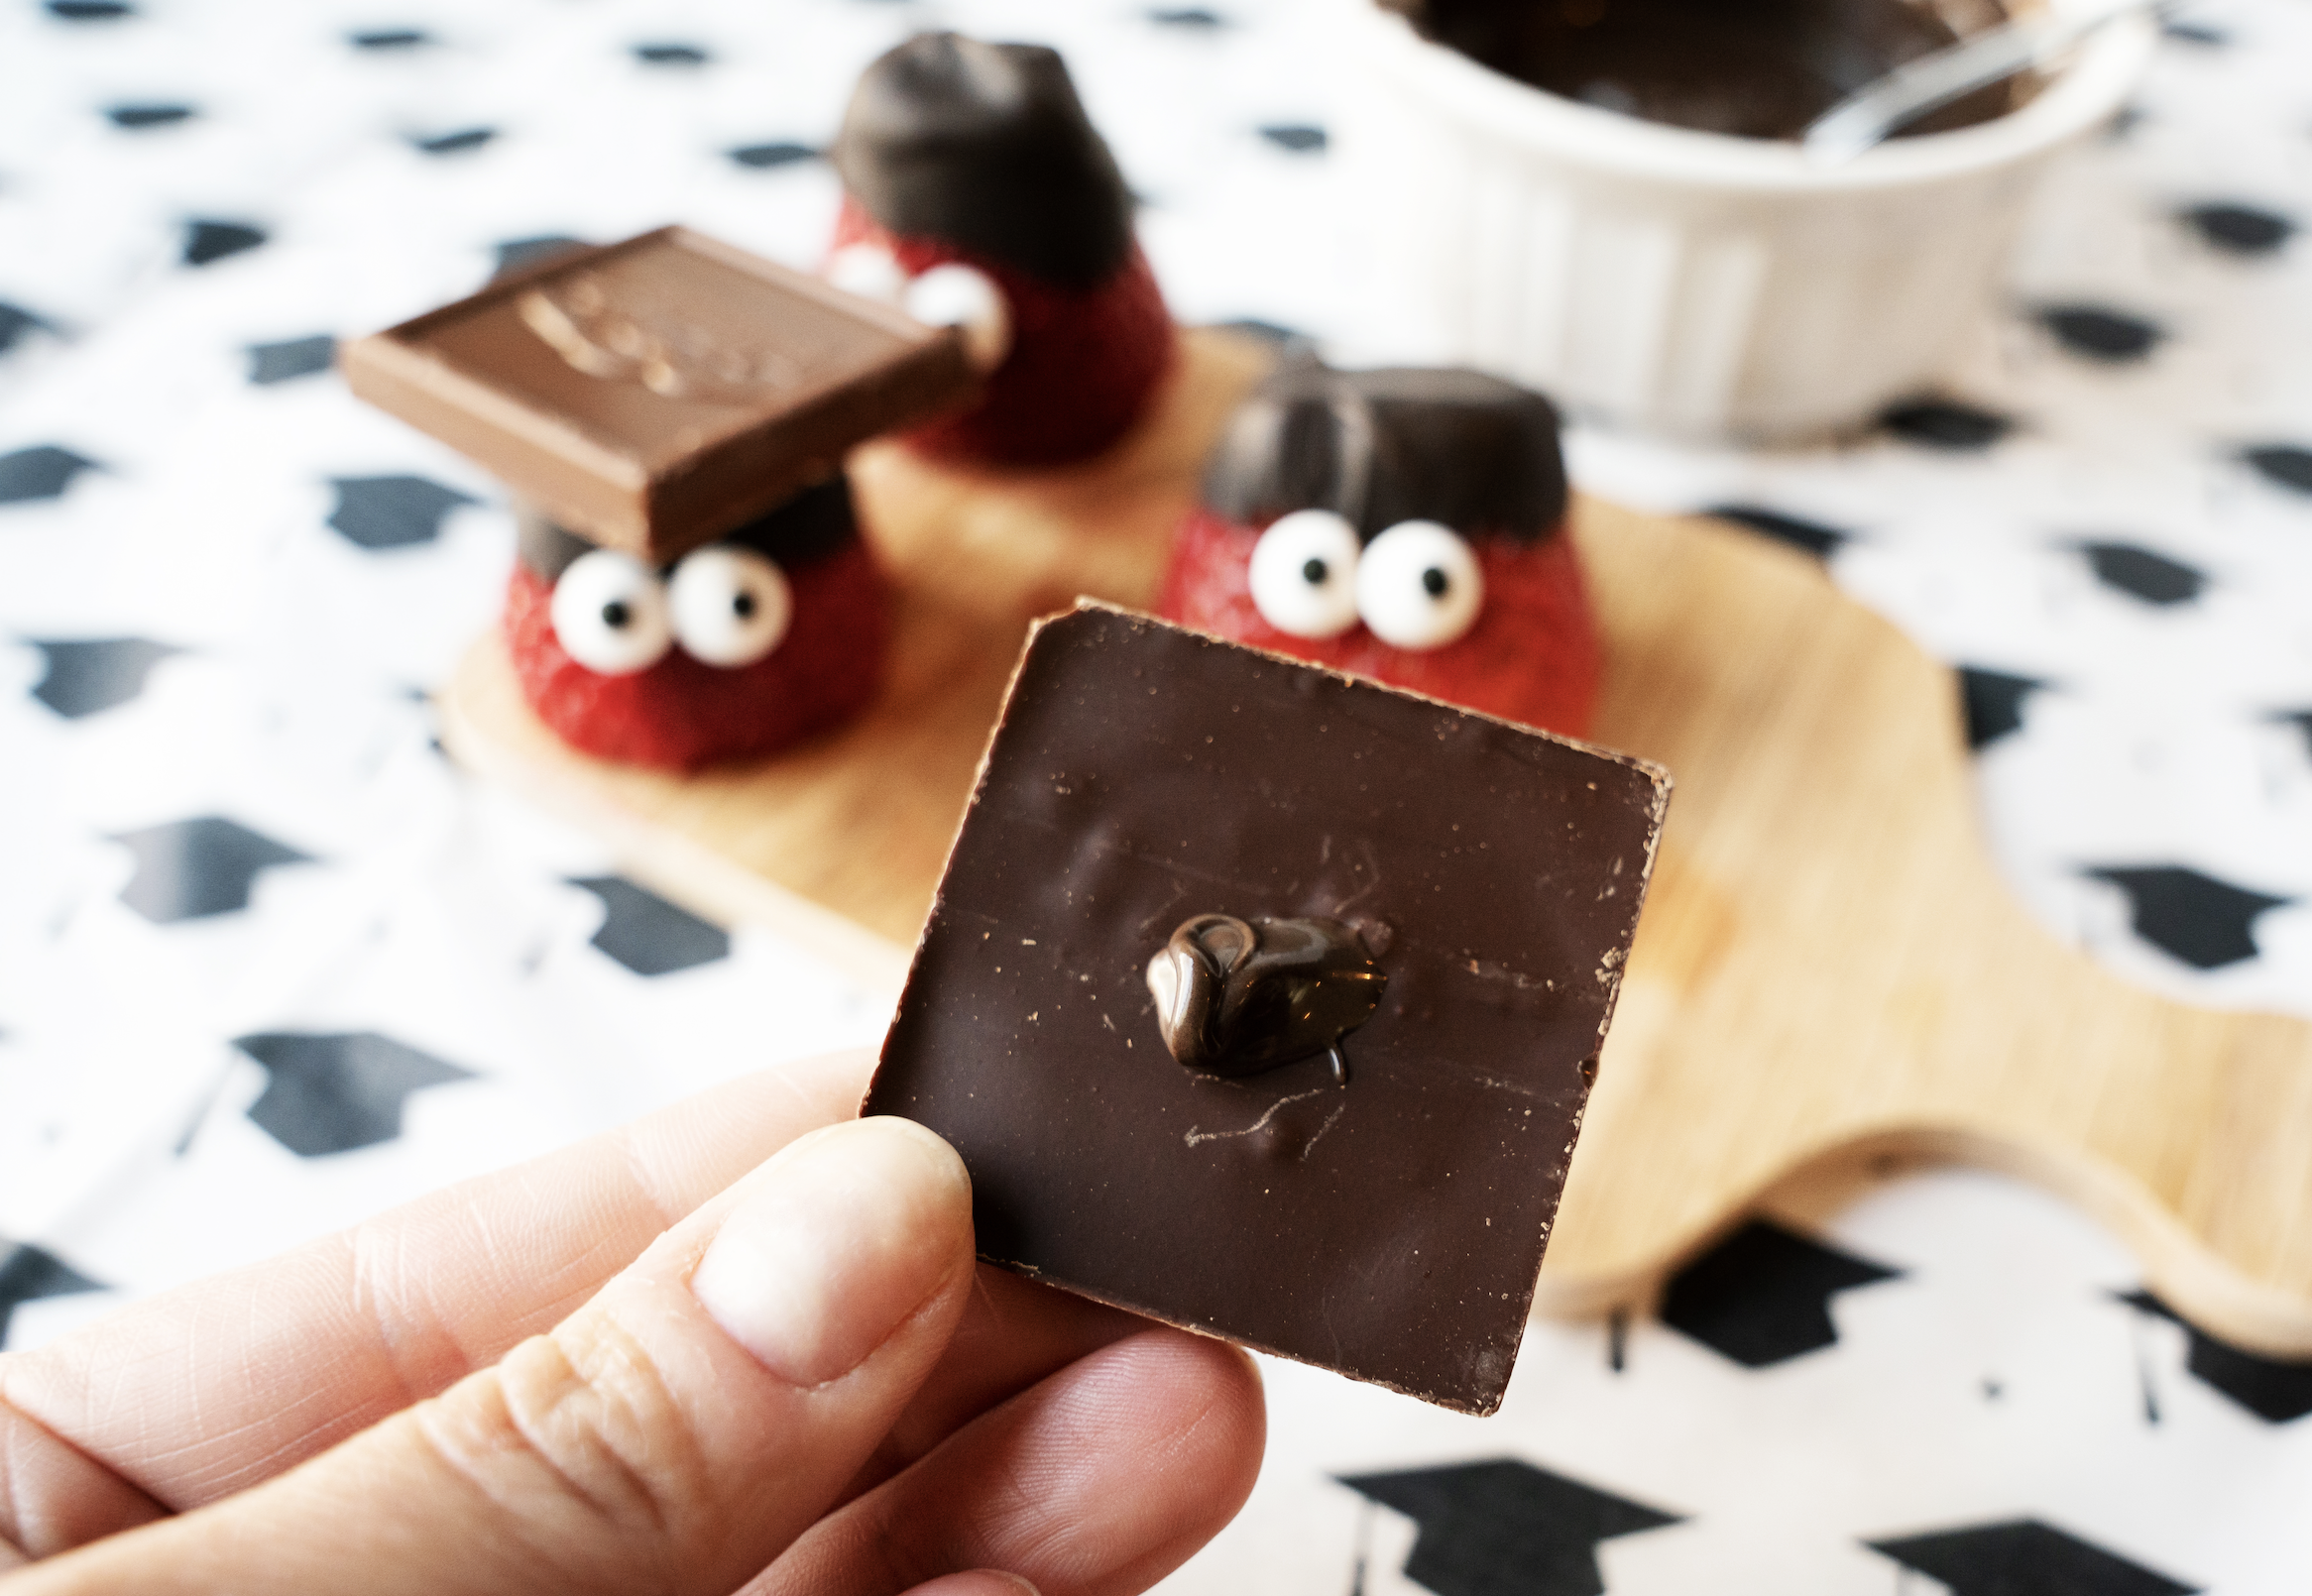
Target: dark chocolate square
x: 1390, y: 1228
x: 655, y: 394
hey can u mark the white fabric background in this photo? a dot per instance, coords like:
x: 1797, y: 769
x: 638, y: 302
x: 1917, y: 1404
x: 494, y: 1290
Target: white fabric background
x: 1997, y: 1378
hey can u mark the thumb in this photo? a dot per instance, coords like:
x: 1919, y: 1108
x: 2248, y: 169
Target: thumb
x: 674, y: 1435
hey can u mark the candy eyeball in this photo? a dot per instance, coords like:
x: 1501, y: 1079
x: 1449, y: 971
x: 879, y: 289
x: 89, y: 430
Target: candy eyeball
x: 1418, y: 586
x: 956, y: 296
x: 1304, y: 574
x: 731, y: 605
x: 869, y: 270
x: 610, y: 613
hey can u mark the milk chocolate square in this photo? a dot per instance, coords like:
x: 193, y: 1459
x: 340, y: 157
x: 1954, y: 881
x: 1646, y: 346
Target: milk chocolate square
x: 1391, y: 1227
x: 652, y: 395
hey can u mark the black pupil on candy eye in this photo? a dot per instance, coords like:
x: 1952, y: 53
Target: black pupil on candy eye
x: 1314, y: 573
x: 1434, y: 583
x: 743, y: 606
x: 614, y: 615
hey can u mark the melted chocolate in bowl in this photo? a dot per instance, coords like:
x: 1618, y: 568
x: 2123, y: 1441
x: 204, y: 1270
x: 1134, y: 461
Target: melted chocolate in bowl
x: 1749, y: 69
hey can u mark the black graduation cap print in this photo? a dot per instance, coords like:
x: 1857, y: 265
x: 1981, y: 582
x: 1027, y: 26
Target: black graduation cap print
x: 2101, y: 333
x: 1993, y: 703
x: 1815, y: 539
x: 43, y: 471
x: 189, y: 869
x: 1268, y: 332
x: 338, y: 1092
x: 138, y: 118
x: 2239, y: 229
x: 390, y: 39
x: 1946, y: 423
x: 16, y: 323
x: 649, y: 935
x: 1301, y: 138
x: 2285, y: 464
x: 768, y: 156
x: 89, y: 674
x: 454, y: 143
x: 28, y: 1273
x: 1761, y: 1295
x: 207, y: 241
x: 2140, y: 574
x: 1196, y: 17
x: 90, y: 10
x: 2024, y: 1557
x: 291, y: 357
x: 2275, y: 1390
x: 379, y: 513
x: 670, y: 55
x: 1500, y: 1527
x: 2301, y: 720
x: 513, y: 253
x: 2195, y: 33
x: 2196, y: 918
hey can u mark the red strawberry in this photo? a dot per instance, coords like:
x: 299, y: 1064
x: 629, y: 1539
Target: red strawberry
x: 1532, y: 655
x: 681, y: 714
x: 1083, y: 366
x: 959, y: 152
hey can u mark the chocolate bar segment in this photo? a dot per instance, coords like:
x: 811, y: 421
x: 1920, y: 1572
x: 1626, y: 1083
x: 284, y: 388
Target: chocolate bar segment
x: 652, y: 395
x: 1144, y: 777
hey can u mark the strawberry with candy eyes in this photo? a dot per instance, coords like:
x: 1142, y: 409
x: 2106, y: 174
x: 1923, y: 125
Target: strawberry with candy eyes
x: 1403, y: 525
x: 742, y: 647
x: 977, y: 194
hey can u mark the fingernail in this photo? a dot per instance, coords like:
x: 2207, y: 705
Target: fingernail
x: 837, y: 1240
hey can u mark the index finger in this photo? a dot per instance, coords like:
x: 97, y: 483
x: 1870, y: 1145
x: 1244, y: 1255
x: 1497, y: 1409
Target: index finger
x: 202, y: 1391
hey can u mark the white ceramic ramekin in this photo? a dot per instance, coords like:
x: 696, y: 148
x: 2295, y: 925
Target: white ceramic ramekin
x: 1685, y: 282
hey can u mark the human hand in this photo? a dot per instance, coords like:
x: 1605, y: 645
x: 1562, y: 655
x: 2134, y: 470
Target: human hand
x: 740, y: 1343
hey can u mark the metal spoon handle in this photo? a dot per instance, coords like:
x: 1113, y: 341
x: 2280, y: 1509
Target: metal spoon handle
x: 1910, y: 91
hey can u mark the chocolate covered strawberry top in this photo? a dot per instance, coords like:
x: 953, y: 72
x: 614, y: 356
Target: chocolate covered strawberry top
x: 1398, y: 444
x: 986, y: 147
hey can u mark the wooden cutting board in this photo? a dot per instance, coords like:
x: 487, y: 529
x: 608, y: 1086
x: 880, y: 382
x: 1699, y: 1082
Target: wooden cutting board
x: 1828, y: 980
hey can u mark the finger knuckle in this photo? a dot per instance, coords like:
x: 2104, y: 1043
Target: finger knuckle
x: 578, y: 1436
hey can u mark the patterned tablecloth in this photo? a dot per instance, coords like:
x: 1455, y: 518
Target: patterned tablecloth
x: 268, y: 963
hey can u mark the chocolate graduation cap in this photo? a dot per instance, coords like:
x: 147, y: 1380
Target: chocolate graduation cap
x: 1380, y: 447
x: 986, y: 147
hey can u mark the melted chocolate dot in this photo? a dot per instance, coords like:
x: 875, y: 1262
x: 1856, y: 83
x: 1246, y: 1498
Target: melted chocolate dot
x: 1238, y: 997
x: 1433, y: 582
x: 1314, y: 572
x: 616, y: 614
x: 743, y: 606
